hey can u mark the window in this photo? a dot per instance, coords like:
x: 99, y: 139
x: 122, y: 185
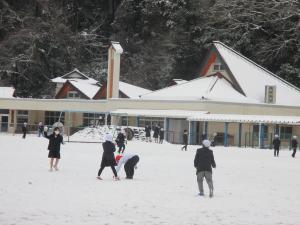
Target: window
x: 152, y: 121
x: 256, y: 131
x: 286, y: 132
x: 218, y: 67
x: 4, y: 111
x: 73, y: 94
x: 22, y: 116
x: 52, y: 117
x: 93, y: 119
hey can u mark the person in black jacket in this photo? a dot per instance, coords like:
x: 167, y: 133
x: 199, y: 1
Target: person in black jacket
x: 121, y: 142
x: 55, y: 140
x: 276, y: 144
x: 24, y: 130
x: 156, y: 133
x: 161, y: 135
x: 185, y: 140
x: 294, y: 146
x: 203, y: 162
x: 148, y: 133
x: 108, y: 157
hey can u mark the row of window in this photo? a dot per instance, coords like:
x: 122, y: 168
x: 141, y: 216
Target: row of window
x: 285, y: 132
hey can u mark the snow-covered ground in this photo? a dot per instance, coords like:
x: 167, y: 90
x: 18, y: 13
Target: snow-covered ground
x: 251, y: 187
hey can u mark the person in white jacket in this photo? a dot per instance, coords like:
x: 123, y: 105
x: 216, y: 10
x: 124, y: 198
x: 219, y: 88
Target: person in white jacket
x: 129, y: 161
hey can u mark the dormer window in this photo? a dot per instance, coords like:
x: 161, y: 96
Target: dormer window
x: 73, y: 94
x: 218, y: 67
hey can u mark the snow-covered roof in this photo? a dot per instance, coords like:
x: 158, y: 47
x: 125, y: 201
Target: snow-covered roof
x: 118, y: 48
x: 7, y: 92
x: 87, y: 89
x: 179, y: 81
x: 158, y: 113
x: 75, y: 75
x: 132, y: 91
x: 253, y: 78
x: 204, y: 88
x: 246, y: 118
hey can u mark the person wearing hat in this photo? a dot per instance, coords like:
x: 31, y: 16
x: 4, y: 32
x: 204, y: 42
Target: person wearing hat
x: 294, y: 146
x: 129, y: 161
x: 203, y: 162
x: 276, y: 144
x: 108, y: 157
x: 55, y: 141
x: 185, y: 140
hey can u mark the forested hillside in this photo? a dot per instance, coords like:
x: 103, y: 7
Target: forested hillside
x: 162, y: 39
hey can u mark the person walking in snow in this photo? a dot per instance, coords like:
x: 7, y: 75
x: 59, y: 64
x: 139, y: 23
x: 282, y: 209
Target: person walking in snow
x: 120, y: 140
x: 276, y: 145
x: 108, y: 157
x: 129, y: 161
x: 161, y: 135
x: 185, y: 140
x: 40, y: 129
x: 55, y: 141
x: 203, y: 162
x: 24, y: 130
x: 294, y: 146
x: 156, y: 133
x: 148, y: 133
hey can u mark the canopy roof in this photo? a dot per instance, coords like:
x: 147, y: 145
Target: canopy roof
x: 247, y: 118
x: 157, y: 113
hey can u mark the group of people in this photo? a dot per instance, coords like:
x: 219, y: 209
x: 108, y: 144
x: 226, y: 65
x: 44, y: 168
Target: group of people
x: 108, y: 157
x: 110, y: 160
x: 158, y: 134
x: 40, y: 129
x: 203, y: 162
x: 277, y: 142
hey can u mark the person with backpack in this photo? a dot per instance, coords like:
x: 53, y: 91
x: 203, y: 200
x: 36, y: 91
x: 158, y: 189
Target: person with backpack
x: 294, y: 146
x: 203, y: 162
x: 120, y: 140
x: 276, y: 145
x: 108, y: 157
x: 55, y: 141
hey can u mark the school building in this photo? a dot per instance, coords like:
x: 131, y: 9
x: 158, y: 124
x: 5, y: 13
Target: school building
x: 232, y: 97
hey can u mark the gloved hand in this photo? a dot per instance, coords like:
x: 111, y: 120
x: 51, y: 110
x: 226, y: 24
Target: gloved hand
x: 135, y: 167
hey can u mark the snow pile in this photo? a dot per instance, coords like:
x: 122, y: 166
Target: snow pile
x: 97, y: 134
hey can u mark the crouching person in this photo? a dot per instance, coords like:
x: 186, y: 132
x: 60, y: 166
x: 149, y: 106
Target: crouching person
x: 55, y: 140
x: 129, y: 161
x: 203, y: 162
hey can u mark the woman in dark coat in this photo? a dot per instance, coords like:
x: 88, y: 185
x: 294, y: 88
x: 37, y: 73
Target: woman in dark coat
x: 148, y: 133
x: 108, y: 157
x: 156, y: 133
x: 55, y: 140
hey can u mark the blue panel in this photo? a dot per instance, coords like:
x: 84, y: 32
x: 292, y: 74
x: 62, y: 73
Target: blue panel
x: 261, y: 136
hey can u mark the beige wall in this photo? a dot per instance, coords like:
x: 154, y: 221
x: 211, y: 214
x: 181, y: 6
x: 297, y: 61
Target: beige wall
x: 113, y: 104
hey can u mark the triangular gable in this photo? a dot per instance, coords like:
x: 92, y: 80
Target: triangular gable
x: 214, y: 87
x: 75, y: 74
x: 70, y: 85
x: 211, y: 58
x: 252, y: 78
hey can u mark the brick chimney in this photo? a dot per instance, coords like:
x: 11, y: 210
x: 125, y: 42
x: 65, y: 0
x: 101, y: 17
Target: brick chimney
x: 113, y: 72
